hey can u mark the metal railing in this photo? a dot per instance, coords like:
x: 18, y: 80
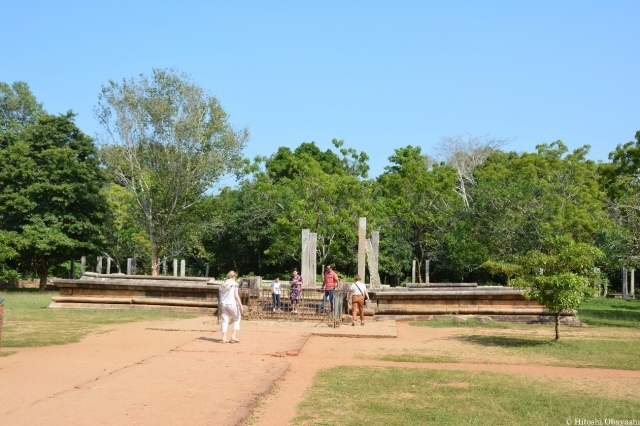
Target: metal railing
x: 262, y: 305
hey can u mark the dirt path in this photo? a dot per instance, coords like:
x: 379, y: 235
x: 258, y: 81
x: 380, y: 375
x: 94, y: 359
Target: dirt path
x: 178, y: 372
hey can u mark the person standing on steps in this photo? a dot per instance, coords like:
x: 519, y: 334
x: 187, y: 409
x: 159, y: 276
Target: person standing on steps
x: 275, y: 294
x: 295, y: 294
x: 230, y: 304
x: 357, y: 293
x: 329, y: 283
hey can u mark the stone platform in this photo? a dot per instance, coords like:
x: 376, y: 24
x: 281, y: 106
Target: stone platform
x: 113, y: 291
x: 442, y: 300
x: 200, y: 295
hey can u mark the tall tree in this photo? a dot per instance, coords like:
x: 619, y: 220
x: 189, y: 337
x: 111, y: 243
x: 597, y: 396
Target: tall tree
x: 418, y: 200
x: 50, y: 197
x: 169, y: 143
x: 560, y: 277
x: 464, y: 155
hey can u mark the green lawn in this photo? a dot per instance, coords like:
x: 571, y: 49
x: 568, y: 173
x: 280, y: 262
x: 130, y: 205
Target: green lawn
x: 28, y: 322
x: 611, y: 312
x: 397, y: 396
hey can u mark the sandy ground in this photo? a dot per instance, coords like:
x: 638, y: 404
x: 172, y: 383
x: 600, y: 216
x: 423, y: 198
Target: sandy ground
x: 179, y: 373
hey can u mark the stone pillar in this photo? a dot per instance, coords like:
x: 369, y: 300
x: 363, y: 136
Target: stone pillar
x: 313, y: 258
x: 182, y: 267
x: 206, y: 271
x: 304, y: 259
x: 426, y: 271
x: 362, y: 235
x: 99, y: 264
x: 413, y: 272
x: 133, y: 266
x: 632, y: 289
x: 108, y: 265
x: 375, y: 244
x: 624, y: 282
x: 374, y: 277
x: 129, y: 266
x: 164, y: 266
x: 83, y: 265
x: 73, y: 270
x: 175, y: 267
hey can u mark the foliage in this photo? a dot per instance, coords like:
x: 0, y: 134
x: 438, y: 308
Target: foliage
x: 50, y: 191
x: 419, y: 200
x: 170, y: 142
x: 560, y: 277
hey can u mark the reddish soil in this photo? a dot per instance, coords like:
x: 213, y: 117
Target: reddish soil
x: 178, y: 372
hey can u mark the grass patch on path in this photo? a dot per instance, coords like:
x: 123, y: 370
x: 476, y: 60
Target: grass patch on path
x: 396, y: 396
x: 27, y: 322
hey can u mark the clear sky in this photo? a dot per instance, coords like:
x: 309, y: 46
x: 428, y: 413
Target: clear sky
x: 380, y: 75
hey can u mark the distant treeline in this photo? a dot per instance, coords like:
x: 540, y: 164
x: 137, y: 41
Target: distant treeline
x: 146, y: 192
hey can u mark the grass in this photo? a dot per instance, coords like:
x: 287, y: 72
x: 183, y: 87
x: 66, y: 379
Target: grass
x: 28, y: 323
x: 452, y: 322
x: 571, y: 352
x: 611, y: 313
x: 397, y: 396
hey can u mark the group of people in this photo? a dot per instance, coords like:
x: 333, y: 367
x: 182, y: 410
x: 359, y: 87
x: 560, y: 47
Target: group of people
x: 231, y: 305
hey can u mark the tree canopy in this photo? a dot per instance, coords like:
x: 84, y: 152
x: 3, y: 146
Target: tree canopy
x: 169, y: 143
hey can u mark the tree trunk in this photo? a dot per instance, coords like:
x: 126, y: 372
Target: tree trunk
x: 558, y: 326
x: 155, y: 254
x: 44, y: 272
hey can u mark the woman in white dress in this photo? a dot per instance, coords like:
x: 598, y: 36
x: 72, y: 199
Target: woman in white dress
x: 230, y: 305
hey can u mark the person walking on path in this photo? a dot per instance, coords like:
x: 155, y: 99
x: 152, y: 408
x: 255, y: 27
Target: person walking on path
x: 275, y: 294
x: 329, y: 283
x: 295, y: 293
x: 231, y: 305
x: 357, y: 293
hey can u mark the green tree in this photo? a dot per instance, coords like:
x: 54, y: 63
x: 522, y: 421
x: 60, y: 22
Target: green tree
x: 621, y: 179
x: 560, y: 277
x: 170, y: 142
x: 519, y: 200
x: 419, y: 201
x: 50, y: 197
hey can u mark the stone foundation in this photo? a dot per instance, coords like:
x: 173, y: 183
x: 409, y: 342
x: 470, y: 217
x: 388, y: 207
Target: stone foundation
x: 102, y: 291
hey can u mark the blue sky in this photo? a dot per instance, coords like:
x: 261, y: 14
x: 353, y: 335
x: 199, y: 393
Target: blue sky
x: 380, y: 75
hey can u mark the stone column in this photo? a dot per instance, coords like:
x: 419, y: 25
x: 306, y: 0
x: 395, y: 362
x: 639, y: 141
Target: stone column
x: 632, y: 284
x: 164, y: 266
x: 83, y: 265
x: 175, y: 267
x: 182, y: 267
x: 99, y: 264
x: 426, y: 271
x: 313, y: 257
x: 304, y: 259
x: 206, y: 271
x: 624, y: 282
x: 108, y: 265
x: 133, y: 266
x: 413, y: 272
x: 374, y: 278
x: 375, y: 244
x: 129, y: 266
x: 362, y: 235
